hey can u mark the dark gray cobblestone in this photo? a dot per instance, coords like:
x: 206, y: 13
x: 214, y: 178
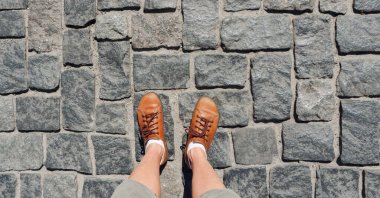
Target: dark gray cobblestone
x: 79, y: 13
x: 77, y: 47
x: 30, y: 185
x: 60, y: 185
x: 111, y: 118
x: 160, y: 5
x: 220, y: 151
x: 13, y: 4
x: 367, y: 5
x: 372, y: 183
x: 7, y: 115
x: 333, y: 6
x: 111, y: 26
x: 98, y: 187
x: 238, y: 5
x: 8, y: 185
x: 44, y: 71
x: 118, y: 5
x: 297, y: 5
x: 15, y: 23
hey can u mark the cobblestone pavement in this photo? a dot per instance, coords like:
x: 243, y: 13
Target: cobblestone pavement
x: 297, y: 83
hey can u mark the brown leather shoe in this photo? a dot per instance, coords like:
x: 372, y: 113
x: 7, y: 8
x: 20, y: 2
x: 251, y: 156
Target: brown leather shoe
x: 151, y: 121
x: 203, y: 124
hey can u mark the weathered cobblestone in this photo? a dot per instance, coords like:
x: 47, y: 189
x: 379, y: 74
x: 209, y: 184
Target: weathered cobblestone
x: 372, y: 183
x: 296, y: 5
x: 8, y: 185
x: 112, y: 26
x: 237, y: 5
x: 13, y: 4
x: 111, y: 118
x: 30, y: 185
x: 98, y: 187
x: 333, y: 6
x: 118, y: 5
x: 77, y: 47
x: 7, y: 115
x: 14, y: 21
x: 337, y: 182
x: 79, y: 13
x: 44, y: 71
x: 60, y: 185
x: 160, y: 5
x: 220, y: 151
x: 367, y: 5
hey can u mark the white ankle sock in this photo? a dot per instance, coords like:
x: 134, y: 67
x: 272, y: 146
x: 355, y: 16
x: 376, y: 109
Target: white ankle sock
x: 152, y: 141
x: 191, y: 146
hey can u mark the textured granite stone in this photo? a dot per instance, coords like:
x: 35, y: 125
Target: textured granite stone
x: 160, y: 5
x: 111, y: 118
x: 118, y: 5
x: 262, y: 145
x: 232, y: 106
x: 13, y: 4
x: 290, y: 181
x: 360, y: 132
x: 293, y: 5
x: 38, y: 113
x: 247, y: 33
x: 237, y: 5
x: 60, y: 185
x: 348, y: 29
x: 220, y: 151
x: 30, y: 185
x: 78, y: 99
x: 14, y: 21
x: 79, y: 13
x: 77, y: 47
x: 112, y: 26
x: 156, y: 30
x: 8, y: 185
x: 68, y: 152
x: 44, y: 25
x: 247, y: 182
x: 200, y: 24
x: 99, y: 188
x: 358, y: 78
x: 7, y: 116
x: 367, y: 5
x: 219, y: 70
x: 308, y: 142
x: 114, y: 70
x: 113, y: 155
x: 333, y: 6
x: 271, y: 86
x: 171, y: 182
x: 44, y: 71
x: 337, y: 183
x: 372, y: 183
x: 314, y: 53
x: 160, y: 71
x: 315, y: 100
x: 12, y: 67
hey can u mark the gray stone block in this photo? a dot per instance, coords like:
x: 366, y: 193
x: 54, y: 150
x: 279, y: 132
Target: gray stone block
x: 290, y: 181
x: 13, y: 4
x: 337, y: 183
x: 36, y: 113
x: 30, y: 185
x: 12, y: 23
x: 7, y: 116
x: 295, y: 5
x: 160, y: 5
x: 348, y: 29
x: 257, y: 33
x: 113, y: 155
x: 79, y: 13
x: 160, y: 71
x: 60, y: 185
x: 118, y: 5
x: 262, y: 145
x: 271, y: 86
x: 333, y: 6
x: 112, y: 26
x: 315, y: 100
x: 219, y: 70
x: 237, y: 5
x: 77, y: 47
x: 78, y: 99
x: 367, y: 5
x: 68, y: 152
x: 156, y: 30
x: 232, y: 106
x: 200, y: 24
x: 44, y: 71
x: 314, y: 52
x: 114, y: 70
x: 308, y: 142
x: 111, y: 118
x: 8, y: 182
x: 45, y: 25
x: 372, y: 183
x: 220, y: 151
x: 99, y: 188
x: 13, y: 70
x: 358, y: 78
x: 360, y: 132
x: 247, y: 182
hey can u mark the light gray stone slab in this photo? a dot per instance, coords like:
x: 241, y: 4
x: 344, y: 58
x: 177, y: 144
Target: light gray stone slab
x: 238, y: 5
x: 12, y: 23
x: 30, y: 185
x: 372, y: 183
x: 333, y: 6
x: 337, y: 183
x: 220, y: 151
x: 7, y: 115
x: 13, y: 4
x: 79, y: 13
x: 77, y: 47
x: 160, y: 5
x: 293, y: 5
x: 60, y: 185
x: 367, y: 5
x: 44, y: 71
x: 99, y: 187
x: 111, y: 118
x: 8, y: 182
x: 118, y: 5
x: 112, y: 26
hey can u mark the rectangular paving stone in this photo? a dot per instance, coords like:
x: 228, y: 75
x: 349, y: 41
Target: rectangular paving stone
x: 358, y: 78
x: 367, y: 5
x: 21, y: 152
x: 290, y: 181
x: 44, y: 71
x: 60, y: 185
x: 99, y: 187
x: 79, y: 13
x: 77, y: 47
x: 160, y: 5
x: 68, y: 152
x: 111, y: 26
x: 170, y: 71
x: 113, y: 155
x: 30, y: 185
x: 44, y: 25
x: 38, y: 113
x: 12, y: 66
x: 253, y: 33
x: 314, y: 54
x: 358, y: 33
x: 118, y: 5
x: 262, y: 145
x: 200, y: 25
x: 232, y: 106
x: 219, y: 70
x: 114, y: 70
x: 247, y: 181
x: 308, y: 142
x: 294, y: 5
x: 111, y: 118
x: 12, y: 23
x: 238, y: 5
x: 372, y: 183
x: 7, y: 116
x: 360, y: 132
x: 220, y: 151
x: 13, y: 4
x: 333, y: 6
x: 78, y: 99
x: 8, y: 182
x: 337, y: 183
x: 271, y: 86
x: 156, y: 30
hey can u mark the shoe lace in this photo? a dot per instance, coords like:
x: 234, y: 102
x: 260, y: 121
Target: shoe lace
x: 150, y: 125
x: 200, y: 130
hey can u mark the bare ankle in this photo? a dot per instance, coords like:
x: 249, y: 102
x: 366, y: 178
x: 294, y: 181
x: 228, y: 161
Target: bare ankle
x: 154, y: 150
x: 197, y: 155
